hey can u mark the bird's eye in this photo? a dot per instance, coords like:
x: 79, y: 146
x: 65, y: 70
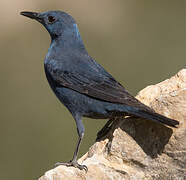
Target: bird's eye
x: 51, y: 19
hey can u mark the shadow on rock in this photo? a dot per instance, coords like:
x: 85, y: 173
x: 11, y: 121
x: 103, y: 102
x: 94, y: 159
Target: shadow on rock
x: 150, y: 136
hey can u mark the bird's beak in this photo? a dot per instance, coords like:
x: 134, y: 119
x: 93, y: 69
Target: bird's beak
x: 32, y: 15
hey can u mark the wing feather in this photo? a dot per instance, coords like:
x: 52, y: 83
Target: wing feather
x: 93, y: 81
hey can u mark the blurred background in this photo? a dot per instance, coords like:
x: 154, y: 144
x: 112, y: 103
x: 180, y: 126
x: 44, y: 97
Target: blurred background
x: 139, y: 42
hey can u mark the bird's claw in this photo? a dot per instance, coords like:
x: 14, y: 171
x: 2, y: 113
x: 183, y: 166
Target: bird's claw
x: 74, y: 164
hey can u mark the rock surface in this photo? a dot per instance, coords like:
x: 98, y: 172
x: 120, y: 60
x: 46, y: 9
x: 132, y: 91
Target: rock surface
x: 138, y: 149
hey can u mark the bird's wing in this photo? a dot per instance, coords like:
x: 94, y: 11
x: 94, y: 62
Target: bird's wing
x: 92, y: 80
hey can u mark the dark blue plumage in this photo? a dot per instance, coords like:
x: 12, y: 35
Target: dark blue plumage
x: 80, y: 83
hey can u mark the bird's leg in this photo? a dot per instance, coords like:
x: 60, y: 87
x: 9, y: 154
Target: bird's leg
x: 105, y: 129
x: 73, y: 162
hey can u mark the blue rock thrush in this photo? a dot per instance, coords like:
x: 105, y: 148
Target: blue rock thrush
x: 81, y: 84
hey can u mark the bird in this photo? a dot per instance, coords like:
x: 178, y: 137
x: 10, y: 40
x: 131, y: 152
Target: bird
x: 82, y: 85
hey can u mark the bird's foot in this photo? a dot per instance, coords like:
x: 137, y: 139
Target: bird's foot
x: 74, y: 164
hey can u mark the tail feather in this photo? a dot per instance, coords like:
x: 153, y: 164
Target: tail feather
x: 160, y: 118
x: 155, y: 117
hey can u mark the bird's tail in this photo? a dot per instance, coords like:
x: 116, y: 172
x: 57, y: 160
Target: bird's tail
x: 155, y: 117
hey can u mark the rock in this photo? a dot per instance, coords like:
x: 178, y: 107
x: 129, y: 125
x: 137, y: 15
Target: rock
x: 138, y: 148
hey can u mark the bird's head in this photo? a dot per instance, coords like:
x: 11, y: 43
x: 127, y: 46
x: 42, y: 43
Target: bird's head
x: 57, y: 23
